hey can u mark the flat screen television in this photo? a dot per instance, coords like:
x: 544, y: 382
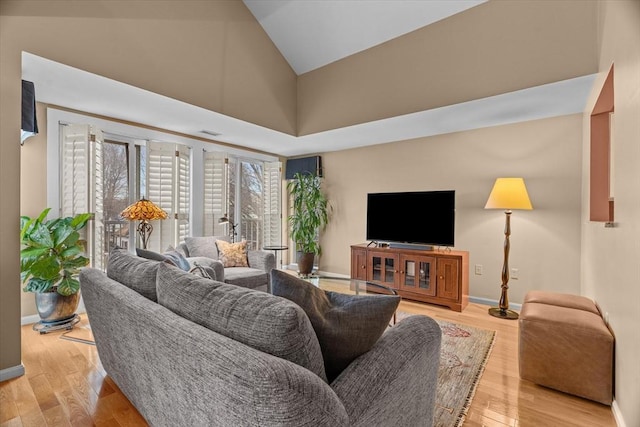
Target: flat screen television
x: 420, y: 217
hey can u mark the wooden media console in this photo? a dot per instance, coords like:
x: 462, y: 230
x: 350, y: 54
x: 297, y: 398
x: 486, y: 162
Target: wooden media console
x: 436, y: 277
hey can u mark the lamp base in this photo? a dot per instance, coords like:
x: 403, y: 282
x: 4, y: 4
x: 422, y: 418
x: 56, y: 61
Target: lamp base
x: 503, y: 314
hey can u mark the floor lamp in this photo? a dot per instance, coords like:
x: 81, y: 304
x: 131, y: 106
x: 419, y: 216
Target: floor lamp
x: 225, y: 220
x: 507, y: 194
x: 144, y: 211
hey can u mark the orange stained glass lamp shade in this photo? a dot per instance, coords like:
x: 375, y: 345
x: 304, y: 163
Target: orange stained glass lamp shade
x: 143, y: 210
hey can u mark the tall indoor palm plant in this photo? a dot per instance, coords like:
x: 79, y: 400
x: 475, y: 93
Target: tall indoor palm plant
x: 310, y: 215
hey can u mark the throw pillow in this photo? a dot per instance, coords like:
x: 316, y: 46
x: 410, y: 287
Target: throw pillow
x: 203, y: 246
x: 134, y: 272
x: 171, y: 256
x: 346, y: 325
x: 177, y: 258
x: 232, y: 254
x: 257, y: 319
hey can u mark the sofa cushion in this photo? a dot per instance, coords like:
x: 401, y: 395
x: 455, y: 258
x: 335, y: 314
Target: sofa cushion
x: 134, y: 272
x: 346, y: 325
x: 203, y: 246
x: 257, y: 319
x: 152, y: 255
x: 246, y: 277
x: 232, y: 254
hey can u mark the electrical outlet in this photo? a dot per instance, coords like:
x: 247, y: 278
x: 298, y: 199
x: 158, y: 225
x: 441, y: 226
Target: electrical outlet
x: 479, y: 269
x: 514, y: 273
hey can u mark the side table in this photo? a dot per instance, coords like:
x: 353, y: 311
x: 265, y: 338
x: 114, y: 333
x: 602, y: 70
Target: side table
x: 275, y: 250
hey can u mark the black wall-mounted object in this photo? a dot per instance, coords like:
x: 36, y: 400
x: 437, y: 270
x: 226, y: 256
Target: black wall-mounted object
x: 29, y: 125
x: 304, y: 165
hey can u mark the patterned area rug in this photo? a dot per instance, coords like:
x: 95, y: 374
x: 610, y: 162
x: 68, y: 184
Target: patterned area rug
x: 463, y: 356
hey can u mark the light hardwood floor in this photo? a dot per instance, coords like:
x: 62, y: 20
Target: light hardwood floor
x: 65, y: 384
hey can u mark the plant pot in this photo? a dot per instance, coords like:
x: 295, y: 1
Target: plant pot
x: 53, y: 307
x: 305, y: 263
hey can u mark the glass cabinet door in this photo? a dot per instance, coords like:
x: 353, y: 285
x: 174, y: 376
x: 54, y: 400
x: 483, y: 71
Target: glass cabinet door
x: 417, y: 274
x: 378, y: 272
x: 383, y: 268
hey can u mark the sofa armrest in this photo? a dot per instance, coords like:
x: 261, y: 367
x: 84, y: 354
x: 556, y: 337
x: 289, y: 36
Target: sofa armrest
x: 395, y: 382
x: 262, y: 260
x: 214, y: 264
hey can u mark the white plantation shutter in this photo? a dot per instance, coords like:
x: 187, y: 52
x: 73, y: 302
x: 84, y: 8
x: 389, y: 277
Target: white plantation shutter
x: 96, y: 196
x: 81, y: 185
x: 183, y: 192
x: 271, y: 197
x: 74, y: 182
x: 215, y: 192
x: 160, y: 190
x: 168, y: 186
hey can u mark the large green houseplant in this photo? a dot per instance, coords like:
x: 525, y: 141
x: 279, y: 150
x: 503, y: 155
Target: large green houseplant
x: 310, y: 215
x: 51, y: 256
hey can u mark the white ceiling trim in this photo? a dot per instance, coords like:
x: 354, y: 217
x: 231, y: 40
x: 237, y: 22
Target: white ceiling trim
x: 72, y: 88
x: 540, y: 102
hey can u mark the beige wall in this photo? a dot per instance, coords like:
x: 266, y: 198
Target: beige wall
x: 545, y: 242
x: 10, y: 87
x: 212, y: 54
x: 33, y: 186
x: 611, y: 256
x: 518, y: 44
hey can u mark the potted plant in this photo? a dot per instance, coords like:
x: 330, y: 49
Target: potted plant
x: 310, y: 215
x: 50, y: 261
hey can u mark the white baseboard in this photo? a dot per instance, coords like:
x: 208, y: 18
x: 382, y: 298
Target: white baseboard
x: 12, y: 372
x: 28, y: 320
x: 477, y: 300
x: 493, y: 302
x: 336, y: 275
x: 617, y: 415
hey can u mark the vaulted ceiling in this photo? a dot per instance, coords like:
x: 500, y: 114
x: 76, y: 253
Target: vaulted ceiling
x: 311, y: 34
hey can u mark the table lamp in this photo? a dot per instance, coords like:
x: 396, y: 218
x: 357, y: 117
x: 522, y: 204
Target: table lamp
x: 144, y: 211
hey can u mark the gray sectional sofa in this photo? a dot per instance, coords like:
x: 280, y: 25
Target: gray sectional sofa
x: 189, y: 351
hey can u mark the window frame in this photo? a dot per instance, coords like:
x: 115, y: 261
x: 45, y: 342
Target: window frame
x: 137, y: 133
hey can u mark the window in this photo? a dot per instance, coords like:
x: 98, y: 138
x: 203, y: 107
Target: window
x: 115, y: 194
x: 102, y: 166
x: 247, y: 191
x: 102, y: 177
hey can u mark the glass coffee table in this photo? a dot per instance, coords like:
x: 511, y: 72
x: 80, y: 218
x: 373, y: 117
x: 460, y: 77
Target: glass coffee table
x: 351, y: 287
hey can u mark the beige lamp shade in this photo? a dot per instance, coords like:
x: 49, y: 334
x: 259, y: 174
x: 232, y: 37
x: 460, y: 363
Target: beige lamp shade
x: 509, y: 193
